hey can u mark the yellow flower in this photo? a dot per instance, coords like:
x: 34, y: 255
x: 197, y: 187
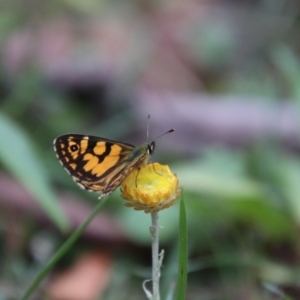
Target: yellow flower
x: 152, y: 188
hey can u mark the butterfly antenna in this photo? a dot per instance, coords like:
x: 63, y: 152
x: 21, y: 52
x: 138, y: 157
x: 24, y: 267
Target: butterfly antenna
x: 148, y: 126
x: 171, y: 130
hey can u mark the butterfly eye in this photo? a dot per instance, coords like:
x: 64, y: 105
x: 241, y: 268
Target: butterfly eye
x: 151, y: 148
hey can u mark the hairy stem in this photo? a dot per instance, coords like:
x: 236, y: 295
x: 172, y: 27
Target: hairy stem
x: 156, y: 256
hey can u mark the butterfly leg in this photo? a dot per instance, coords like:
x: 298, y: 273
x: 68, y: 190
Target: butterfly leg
x: 155, y: 170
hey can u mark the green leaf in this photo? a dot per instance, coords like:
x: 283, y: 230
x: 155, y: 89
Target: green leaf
x: 183, y: 254
x: 19, y: 157
x: 287, y: 62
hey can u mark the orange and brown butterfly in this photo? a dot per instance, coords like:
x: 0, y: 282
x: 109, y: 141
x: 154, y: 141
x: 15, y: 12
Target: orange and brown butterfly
x: 99, y: 164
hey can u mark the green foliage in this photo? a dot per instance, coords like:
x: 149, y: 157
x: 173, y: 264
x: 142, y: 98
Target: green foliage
x: 19, y: 157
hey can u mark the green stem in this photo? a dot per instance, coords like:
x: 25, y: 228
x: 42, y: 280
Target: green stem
x: 63, y: 249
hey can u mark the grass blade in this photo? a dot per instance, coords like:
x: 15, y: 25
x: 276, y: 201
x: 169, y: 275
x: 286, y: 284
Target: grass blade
x: 63, y: 249
x: 18, y: 156
x: 183, y: 254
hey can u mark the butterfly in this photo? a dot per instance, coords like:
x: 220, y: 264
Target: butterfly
x: 99, y: 164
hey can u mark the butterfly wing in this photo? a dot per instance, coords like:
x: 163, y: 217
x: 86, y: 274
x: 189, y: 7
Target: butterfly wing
x: 95, y: 163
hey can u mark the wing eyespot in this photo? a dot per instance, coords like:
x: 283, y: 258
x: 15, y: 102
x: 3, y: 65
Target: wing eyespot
x: 74, y: 148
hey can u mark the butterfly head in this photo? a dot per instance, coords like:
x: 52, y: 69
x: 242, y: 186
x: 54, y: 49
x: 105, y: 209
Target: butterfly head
x: 150, y: 147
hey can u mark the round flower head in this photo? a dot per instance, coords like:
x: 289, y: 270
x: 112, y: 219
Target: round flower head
x: 152, y: 188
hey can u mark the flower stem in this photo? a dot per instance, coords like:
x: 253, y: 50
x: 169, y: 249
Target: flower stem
x: 156, y: 257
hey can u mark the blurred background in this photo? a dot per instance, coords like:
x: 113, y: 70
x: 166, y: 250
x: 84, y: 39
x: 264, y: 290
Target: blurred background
x: 224, y: 74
